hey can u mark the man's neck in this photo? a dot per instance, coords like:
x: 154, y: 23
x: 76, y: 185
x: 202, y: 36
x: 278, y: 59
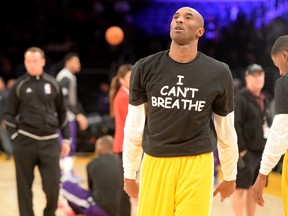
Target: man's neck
x: 183, y: 53
x: 255, y: 92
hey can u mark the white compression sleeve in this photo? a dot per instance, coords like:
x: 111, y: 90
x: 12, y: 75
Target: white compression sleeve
x: 276, y: 145
x: 132, y: 145
x: 227, y: 145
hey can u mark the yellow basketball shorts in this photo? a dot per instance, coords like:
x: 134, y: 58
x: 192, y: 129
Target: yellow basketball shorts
x: 176, y: 186
x: 285, y: 183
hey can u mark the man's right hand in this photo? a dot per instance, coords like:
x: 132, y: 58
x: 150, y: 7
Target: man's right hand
x: 131, y: 187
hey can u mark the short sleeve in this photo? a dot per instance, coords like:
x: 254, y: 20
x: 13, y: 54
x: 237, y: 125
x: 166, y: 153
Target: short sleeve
x: 224, y: 102
x: 137, y: 94
x: 281, y: 95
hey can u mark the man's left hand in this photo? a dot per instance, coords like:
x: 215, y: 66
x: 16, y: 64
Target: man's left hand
x: 258, y: 189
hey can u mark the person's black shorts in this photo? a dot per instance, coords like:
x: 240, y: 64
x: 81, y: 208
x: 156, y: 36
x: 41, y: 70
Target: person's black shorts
x: 249, y: 169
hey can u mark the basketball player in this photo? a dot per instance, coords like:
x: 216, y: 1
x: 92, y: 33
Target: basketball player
x: 68, y: 82
x: 277, y: 142
x: 173, y: 96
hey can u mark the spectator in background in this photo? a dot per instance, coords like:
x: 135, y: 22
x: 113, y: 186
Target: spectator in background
x: 35, y: 110
x: 6, y: 69
x: 68, y: 82
x: 102, y: 98
x: 9, y: 84
x: 252, y: 121
x: 104, y: 174
x: 119, y: 98
x: 4, y: 137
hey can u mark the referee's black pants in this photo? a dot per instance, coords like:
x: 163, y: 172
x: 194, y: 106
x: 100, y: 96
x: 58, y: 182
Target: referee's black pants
x: 29, y: 153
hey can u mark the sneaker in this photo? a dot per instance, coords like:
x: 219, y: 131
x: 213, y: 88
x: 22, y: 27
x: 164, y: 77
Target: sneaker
x: 72, y: 178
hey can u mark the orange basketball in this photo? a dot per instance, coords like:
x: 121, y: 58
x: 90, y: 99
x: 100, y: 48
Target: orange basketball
x: 114, y: 35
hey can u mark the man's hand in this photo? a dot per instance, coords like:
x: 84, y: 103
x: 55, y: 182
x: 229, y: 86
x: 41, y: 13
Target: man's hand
x: 226, y: 188
x: 243, y: 153
x: 258, y: 189
x: 65, y: 149
x: 82, y: 121
x: 131, y: 187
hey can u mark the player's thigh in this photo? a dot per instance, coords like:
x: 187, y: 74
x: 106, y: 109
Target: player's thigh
x: 195, y: 186
x: 157, y: 186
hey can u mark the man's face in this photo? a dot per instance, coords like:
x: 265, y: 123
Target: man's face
x: 255, y: 81
x: 280, y: 61
x: 34, y: 63
x: 74, y: 64
x: 186, y: 26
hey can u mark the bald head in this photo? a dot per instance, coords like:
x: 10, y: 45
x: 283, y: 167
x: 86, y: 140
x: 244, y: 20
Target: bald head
x: 104, y: 145
x: 197, y: 16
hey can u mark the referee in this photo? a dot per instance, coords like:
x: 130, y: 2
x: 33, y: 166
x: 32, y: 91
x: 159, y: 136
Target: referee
x: 35, y: 109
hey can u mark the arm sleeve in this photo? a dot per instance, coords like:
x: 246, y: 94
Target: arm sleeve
x: 132, y: 145
x: 227, y: 145
x: 277, y: 143
x: 62, y: 116
x: 78, y: 108
x: 137, y: 93
x: 64, y: 84
x: 224, y: 102
x: 11, y: 112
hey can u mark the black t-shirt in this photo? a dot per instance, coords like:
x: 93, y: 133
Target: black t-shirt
x: 281, y: 95
x: 180, y: 100
x: 105, y: 181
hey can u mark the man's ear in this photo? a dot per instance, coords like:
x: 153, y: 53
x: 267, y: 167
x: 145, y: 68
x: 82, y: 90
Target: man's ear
x: 200, y: 32
x: 285, y: 56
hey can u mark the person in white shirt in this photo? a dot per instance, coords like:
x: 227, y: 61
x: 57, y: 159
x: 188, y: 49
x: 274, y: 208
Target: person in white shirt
x: 277, y: 142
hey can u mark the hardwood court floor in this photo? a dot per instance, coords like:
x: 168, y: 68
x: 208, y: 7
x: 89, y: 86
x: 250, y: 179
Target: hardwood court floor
x: 8, y: 196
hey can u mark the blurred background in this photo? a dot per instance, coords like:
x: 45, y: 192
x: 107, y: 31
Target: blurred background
x: 237, y: 32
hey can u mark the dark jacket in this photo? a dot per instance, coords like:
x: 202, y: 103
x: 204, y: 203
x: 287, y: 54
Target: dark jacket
x: 35, y: 108
x: 105, y: 182
x: 249, y: 120
x: 3, y: 100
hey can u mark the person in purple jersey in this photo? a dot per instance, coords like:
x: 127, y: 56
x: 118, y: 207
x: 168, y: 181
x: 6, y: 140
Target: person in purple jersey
x: 104, y: 174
